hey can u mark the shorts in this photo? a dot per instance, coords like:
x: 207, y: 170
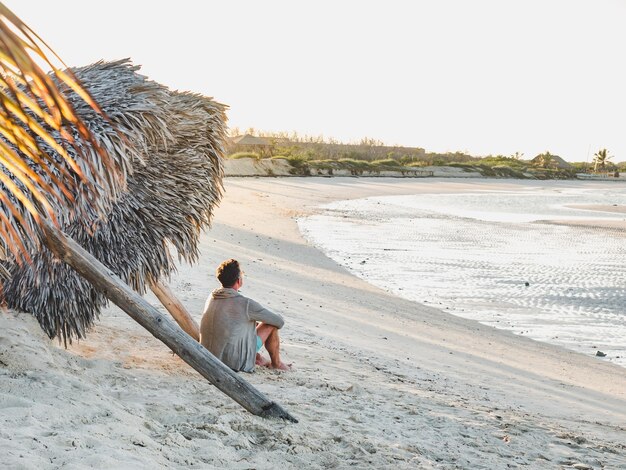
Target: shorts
x: 259, y: 343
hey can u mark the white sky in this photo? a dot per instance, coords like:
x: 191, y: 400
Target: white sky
x: 486, y: 77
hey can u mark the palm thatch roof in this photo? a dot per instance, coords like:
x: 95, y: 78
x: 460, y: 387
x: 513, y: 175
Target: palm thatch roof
x: 248, y: 139
x: 555, y: 162
x: 175, y: 142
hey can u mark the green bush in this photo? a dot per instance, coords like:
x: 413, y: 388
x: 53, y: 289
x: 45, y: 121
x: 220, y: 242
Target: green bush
x: 299, y: 165
x: 386, y: 163
x: 508, y: 172
x: 327, y: 164
x: 238, y: 155
x: 354, y: 163
x: 356, y: 167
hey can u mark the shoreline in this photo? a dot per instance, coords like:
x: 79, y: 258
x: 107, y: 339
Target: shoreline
x: 469, y: 253
x: 379, y: 381
x: 280, y: 167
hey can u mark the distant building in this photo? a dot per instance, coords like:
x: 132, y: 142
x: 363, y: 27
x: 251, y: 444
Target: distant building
x: 249, y: 143
x: 554, y: 162
x: 248, y: 139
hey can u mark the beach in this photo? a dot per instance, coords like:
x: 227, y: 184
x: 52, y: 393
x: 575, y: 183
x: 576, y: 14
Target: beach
x: 378, y: 381
x: 543, y: 259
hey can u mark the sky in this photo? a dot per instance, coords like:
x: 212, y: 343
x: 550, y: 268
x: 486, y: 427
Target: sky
x: 481, y: 76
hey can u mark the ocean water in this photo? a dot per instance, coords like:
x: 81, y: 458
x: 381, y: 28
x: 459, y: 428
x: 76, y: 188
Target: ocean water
x: 503, y: 258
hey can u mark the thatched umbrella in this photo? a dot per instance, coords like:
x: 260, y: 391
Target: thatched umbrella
x: 52, y: 167
x: 174, y: 184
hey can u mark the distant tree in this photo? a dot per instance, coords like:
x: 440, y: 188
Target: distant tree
x: 600, y: 159
x: 370, y: 142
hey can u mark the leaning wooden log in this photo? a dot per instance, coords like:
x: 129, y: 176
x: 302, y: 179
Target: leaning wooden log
x: 190, y: 351
x: 176, y: 309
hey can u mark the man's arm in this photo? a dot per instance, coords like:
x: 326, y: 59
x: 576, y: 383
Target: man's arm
x: 259, y: 313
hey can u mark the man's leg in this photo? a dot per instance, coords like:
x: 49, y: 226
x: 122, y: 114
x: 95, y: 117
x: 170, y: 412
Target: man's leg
x: 271, y: 340
x: 259, y: 359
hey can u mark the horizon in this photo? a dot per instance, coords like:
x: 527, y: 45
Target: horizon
x: 482, y: 78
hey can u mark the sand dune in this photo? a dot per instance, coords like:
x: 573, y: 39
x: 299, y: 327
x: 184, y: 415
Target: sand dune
x: 379, y: 382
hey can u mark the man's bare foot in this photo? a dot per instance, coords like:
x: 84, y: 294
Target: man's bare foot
x: 281, y: 366
x: 262, y: 361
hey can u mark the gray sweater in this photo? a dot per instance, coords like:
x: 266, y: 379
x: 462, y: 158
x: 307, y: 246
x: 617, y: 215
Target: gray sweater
x: 228, y: 327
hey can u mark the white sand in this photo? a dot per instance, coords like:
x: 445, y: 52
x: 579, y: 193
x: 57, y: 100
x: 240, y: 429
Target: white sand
x: 379, y: 382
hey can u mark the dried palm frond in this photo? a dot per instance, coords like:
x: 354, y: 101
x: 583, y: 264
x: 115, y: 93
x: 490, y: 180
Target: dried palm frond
x: 48, y: 157
x: 175, y: 184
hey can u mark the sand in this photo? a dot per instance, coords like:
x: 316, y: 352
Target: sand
x: 378, y: 381
x: 602, y: 208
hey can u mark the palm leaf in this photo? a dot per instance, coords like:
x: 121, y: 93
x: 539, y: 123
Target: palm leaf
x: 49, y: 158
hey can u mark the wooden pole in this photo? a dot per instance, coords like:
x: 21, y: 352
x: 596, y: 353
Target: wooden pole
x: 176, y: 309
x: 190, y: 351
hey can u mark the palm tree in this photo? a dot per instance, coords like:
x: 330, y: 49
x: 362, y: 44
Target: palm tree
x: 600, y: 159
x: 53, y: 171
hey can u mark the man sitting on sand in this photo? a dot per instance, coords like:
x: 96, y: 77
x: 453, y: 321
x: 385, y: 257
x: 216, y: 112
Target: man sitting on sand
x: 229, y: 326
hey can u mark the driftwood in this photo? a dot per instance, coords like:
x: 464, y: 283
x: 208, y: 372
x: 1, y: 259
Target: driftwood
x: 160, y: 326
x: 176, y: 309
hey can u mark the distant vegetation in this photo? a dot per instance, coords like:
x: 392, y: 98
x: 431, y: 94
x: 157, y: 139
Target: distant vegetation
x: 304, y: 166
x: 308, y: 155
x: 237, y: 155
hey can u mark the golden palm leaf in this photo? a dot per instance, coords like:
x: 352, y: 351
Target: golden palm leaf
x: 48, y: 156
